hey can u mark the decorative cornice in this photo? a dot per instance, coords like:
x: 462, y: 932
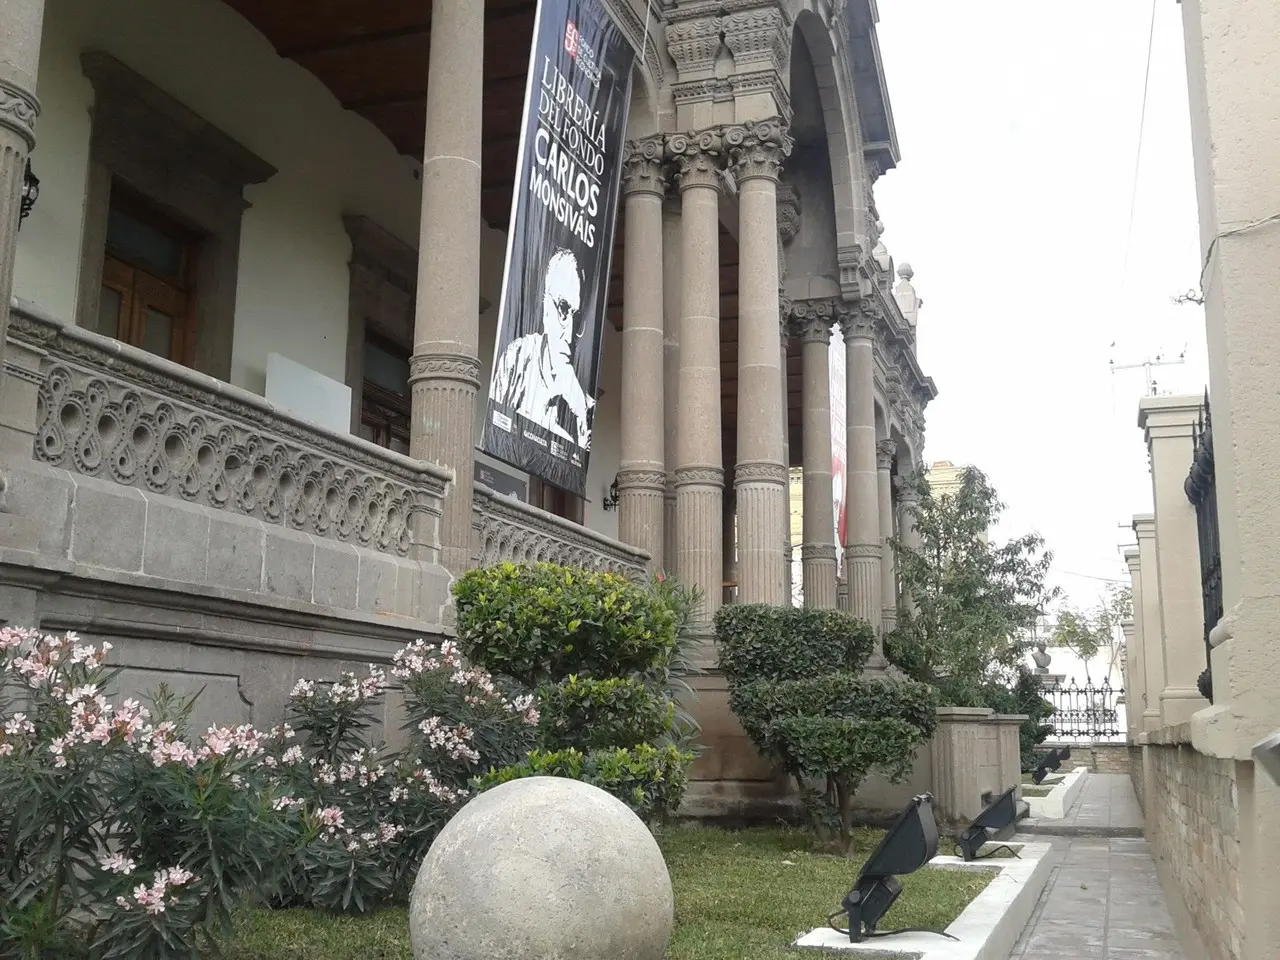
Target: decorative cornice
x: 642, y: 166
x: 758, y: 149
x: 709, y: 90
x: 19, y: 109
x: 763, y: 81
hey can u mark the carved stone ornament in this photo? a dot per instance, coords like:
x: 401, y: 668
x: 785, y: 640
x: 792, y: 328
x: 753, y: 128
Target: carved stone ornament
x: 814, y: 328
x: 457, y: 367
x: 508, y: 530
x: 642, y: 166
x: 758, y: 149
x: 788, y: 212
x: 642, y: 480
x: 858, y: 322
x: 110, y: 411
x: 760, y: 471
x: 698, y: 157
x: 693, y: 44
x: 819, y: 551
x: 704, y: 476
x: 886, y: 450
x: 758, y: 37
x: 19, y: 109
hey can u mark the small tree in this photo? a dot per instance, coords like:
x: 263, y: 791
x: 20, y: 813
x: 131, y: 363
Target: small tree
x: 598, y: 652
x: 1085, y: 632
x: 796, y: 685
x: 971, y: 603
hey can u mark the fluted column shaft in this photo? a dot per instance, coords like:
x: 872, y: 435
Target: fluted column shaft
x: 760, y: 475
x: 885, y: 451
x: 445, y: 369
x: 862, y: 549
x: 20, y: 34
x: 642, y: 474
x: 818, y: 551
x: 699, y: 465
x: 784, y: 332
x: 672, y: 292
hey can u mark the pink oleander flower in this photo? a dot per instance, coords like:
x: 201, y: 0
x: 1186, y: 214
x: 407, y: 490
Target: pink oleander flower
x: 18, y: 725
x: 117, y: 863
x: 330, y: 817
x: 455, y: 742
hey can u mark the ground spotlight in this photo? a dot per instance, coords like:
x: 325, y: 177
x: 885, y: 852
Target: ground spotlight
x: 910, y: 843
x: 1052, y: 762
x: 999, y: 815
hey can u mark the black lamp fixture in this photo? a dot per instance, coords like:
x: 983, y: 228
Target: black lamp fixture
x: 999, y: 816
x: 911, y: 842
x: 30, y: 193
x: 1052, y: 762
x: 611, y: 500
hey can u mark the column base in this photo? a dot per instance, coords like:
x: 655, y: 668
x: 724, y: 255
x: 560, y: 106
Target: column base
x: 1179, y: 705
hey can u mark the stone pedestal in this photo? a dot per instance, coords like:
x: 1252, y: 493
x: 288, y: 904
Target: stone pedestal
x: 1169, y: 423
x: 1144, y: 527
x: 966, y: 749
x: 1136, y: 659
x: 642, y: 473
x: 444, y: 371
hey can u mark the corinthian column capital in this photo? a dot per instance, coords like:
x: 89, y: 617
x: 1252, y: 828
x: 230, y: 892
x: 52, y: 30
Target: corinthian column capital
x: 885, y: 452
x: 642, y: 166
x: 18, y: 111
x: 857, y: 322
x: 698, y: 158
x: 758, y: 149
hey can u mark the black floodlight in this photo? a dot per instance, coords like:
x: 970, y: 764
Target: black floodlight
x: 1052, y: 762
x: 910, y: 843
x: 999, y: 815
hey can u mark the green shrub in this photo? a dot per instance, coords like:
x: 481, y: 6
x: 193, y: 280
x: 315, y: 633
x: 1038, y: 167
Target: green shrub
x: 650, y: 780
x: 602, y: 655
x: 543, y: 622
x: 795, y: 684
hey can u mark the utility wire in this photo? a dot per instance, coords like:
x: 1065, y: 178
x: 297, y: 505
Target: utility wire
x: 1142, y: 124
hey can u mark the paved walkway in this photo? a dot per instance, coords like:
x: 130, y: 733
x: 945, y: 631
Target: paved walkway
x: 1103, y: 900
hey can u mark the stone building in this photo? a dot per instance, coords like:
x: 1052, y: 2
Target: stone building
x: 254, y: 309
x: 1204, y: 660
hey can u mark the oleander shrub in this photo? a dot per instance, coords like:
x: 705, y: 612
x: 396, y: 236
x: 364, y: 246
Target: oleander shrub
x: 796, y: 685
x: 602, y: 655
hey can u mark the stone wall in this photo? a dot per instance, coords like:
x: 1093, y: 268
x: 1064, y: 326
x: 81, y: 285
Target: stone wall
x: 1136, y: 775
x: 1192, y: 823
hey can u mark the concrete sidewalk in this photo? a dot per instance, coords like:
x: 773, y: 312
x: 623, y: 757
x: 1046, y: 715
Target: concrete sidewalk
x: 1103, y: 900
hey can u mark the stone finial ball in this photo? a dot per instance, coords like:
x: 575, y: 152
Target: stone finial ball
x: 542, y: 868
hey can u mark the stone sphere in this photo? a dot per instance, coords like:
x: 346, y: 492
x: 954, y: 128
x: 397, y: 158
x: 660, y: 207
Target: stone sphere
x: 542, y: 868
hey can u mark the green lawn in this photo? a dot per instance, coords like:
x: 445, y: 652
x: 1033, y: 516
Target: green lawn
x: 740, y: 894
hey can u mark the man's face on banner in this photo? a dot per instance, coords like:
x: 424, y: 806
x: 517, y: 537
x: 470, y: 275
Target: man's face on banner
x: 561, y: 300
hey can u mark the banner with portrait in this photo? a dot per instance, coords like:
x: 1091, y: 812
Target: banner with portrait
x: 543, y: 384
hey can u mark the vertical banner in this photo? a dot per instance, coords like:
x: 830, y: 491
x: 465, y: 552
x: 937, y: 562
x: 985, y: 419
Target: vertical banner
x: 543, y: 384
x: 839, y: 442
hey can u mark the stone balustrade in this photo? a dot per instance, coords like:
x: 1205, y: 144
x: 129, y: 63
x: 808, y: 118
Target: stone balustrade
x: 507, y: 529
x: 107, y: 410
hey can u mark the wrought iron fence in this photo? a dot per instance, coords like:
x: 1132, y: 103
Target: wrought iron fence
x: 1088, y: 712
x: 1201, y: 490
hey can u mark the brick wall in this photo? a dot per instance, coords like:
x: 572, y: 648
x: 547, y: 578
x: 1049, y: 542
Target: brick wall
x: 1098, y: 757
x: 1192, y: 822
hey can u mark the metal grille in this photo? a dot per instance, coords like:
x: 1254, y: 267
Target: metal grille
x: 1088, y: 712
x: 1201, y: 490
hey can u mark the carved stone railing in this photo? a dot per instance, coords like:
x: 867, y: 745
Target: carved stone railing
x: 108, y: 410
x: 507, y: 529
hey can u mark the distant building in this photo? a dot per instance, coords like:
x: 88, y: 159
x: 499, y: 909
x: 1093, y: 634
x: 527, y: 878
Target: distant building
x: 945, y: 477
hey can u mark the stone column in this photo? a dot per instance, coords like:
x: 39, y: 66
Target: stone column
x: 1135, y: 675
x: 445, y: 371
x: 1144, y: 527
x: 818, y: 551
x: 699, y: 462
x: 20, y: 31
x: 671, y: 305
x: 1169, y: 423
x: 784, y: 334
x: 760, y: 475
x: 885, y: 451
x: 862, y: 549
x: 909, y: 533
x: 1133, y: 718
x: 642, y: 480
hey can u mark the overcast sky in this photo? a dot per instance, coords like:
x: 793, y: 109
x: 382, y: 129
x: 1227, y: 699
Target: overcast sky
x: 1018, y: 123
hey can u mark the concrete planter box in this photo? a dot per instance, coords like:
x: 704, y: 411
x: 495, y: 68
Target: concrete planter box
x: 1058, y: 802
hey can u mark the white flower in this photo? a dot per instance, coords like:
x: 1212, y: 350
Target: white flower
x: 117, y: 863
